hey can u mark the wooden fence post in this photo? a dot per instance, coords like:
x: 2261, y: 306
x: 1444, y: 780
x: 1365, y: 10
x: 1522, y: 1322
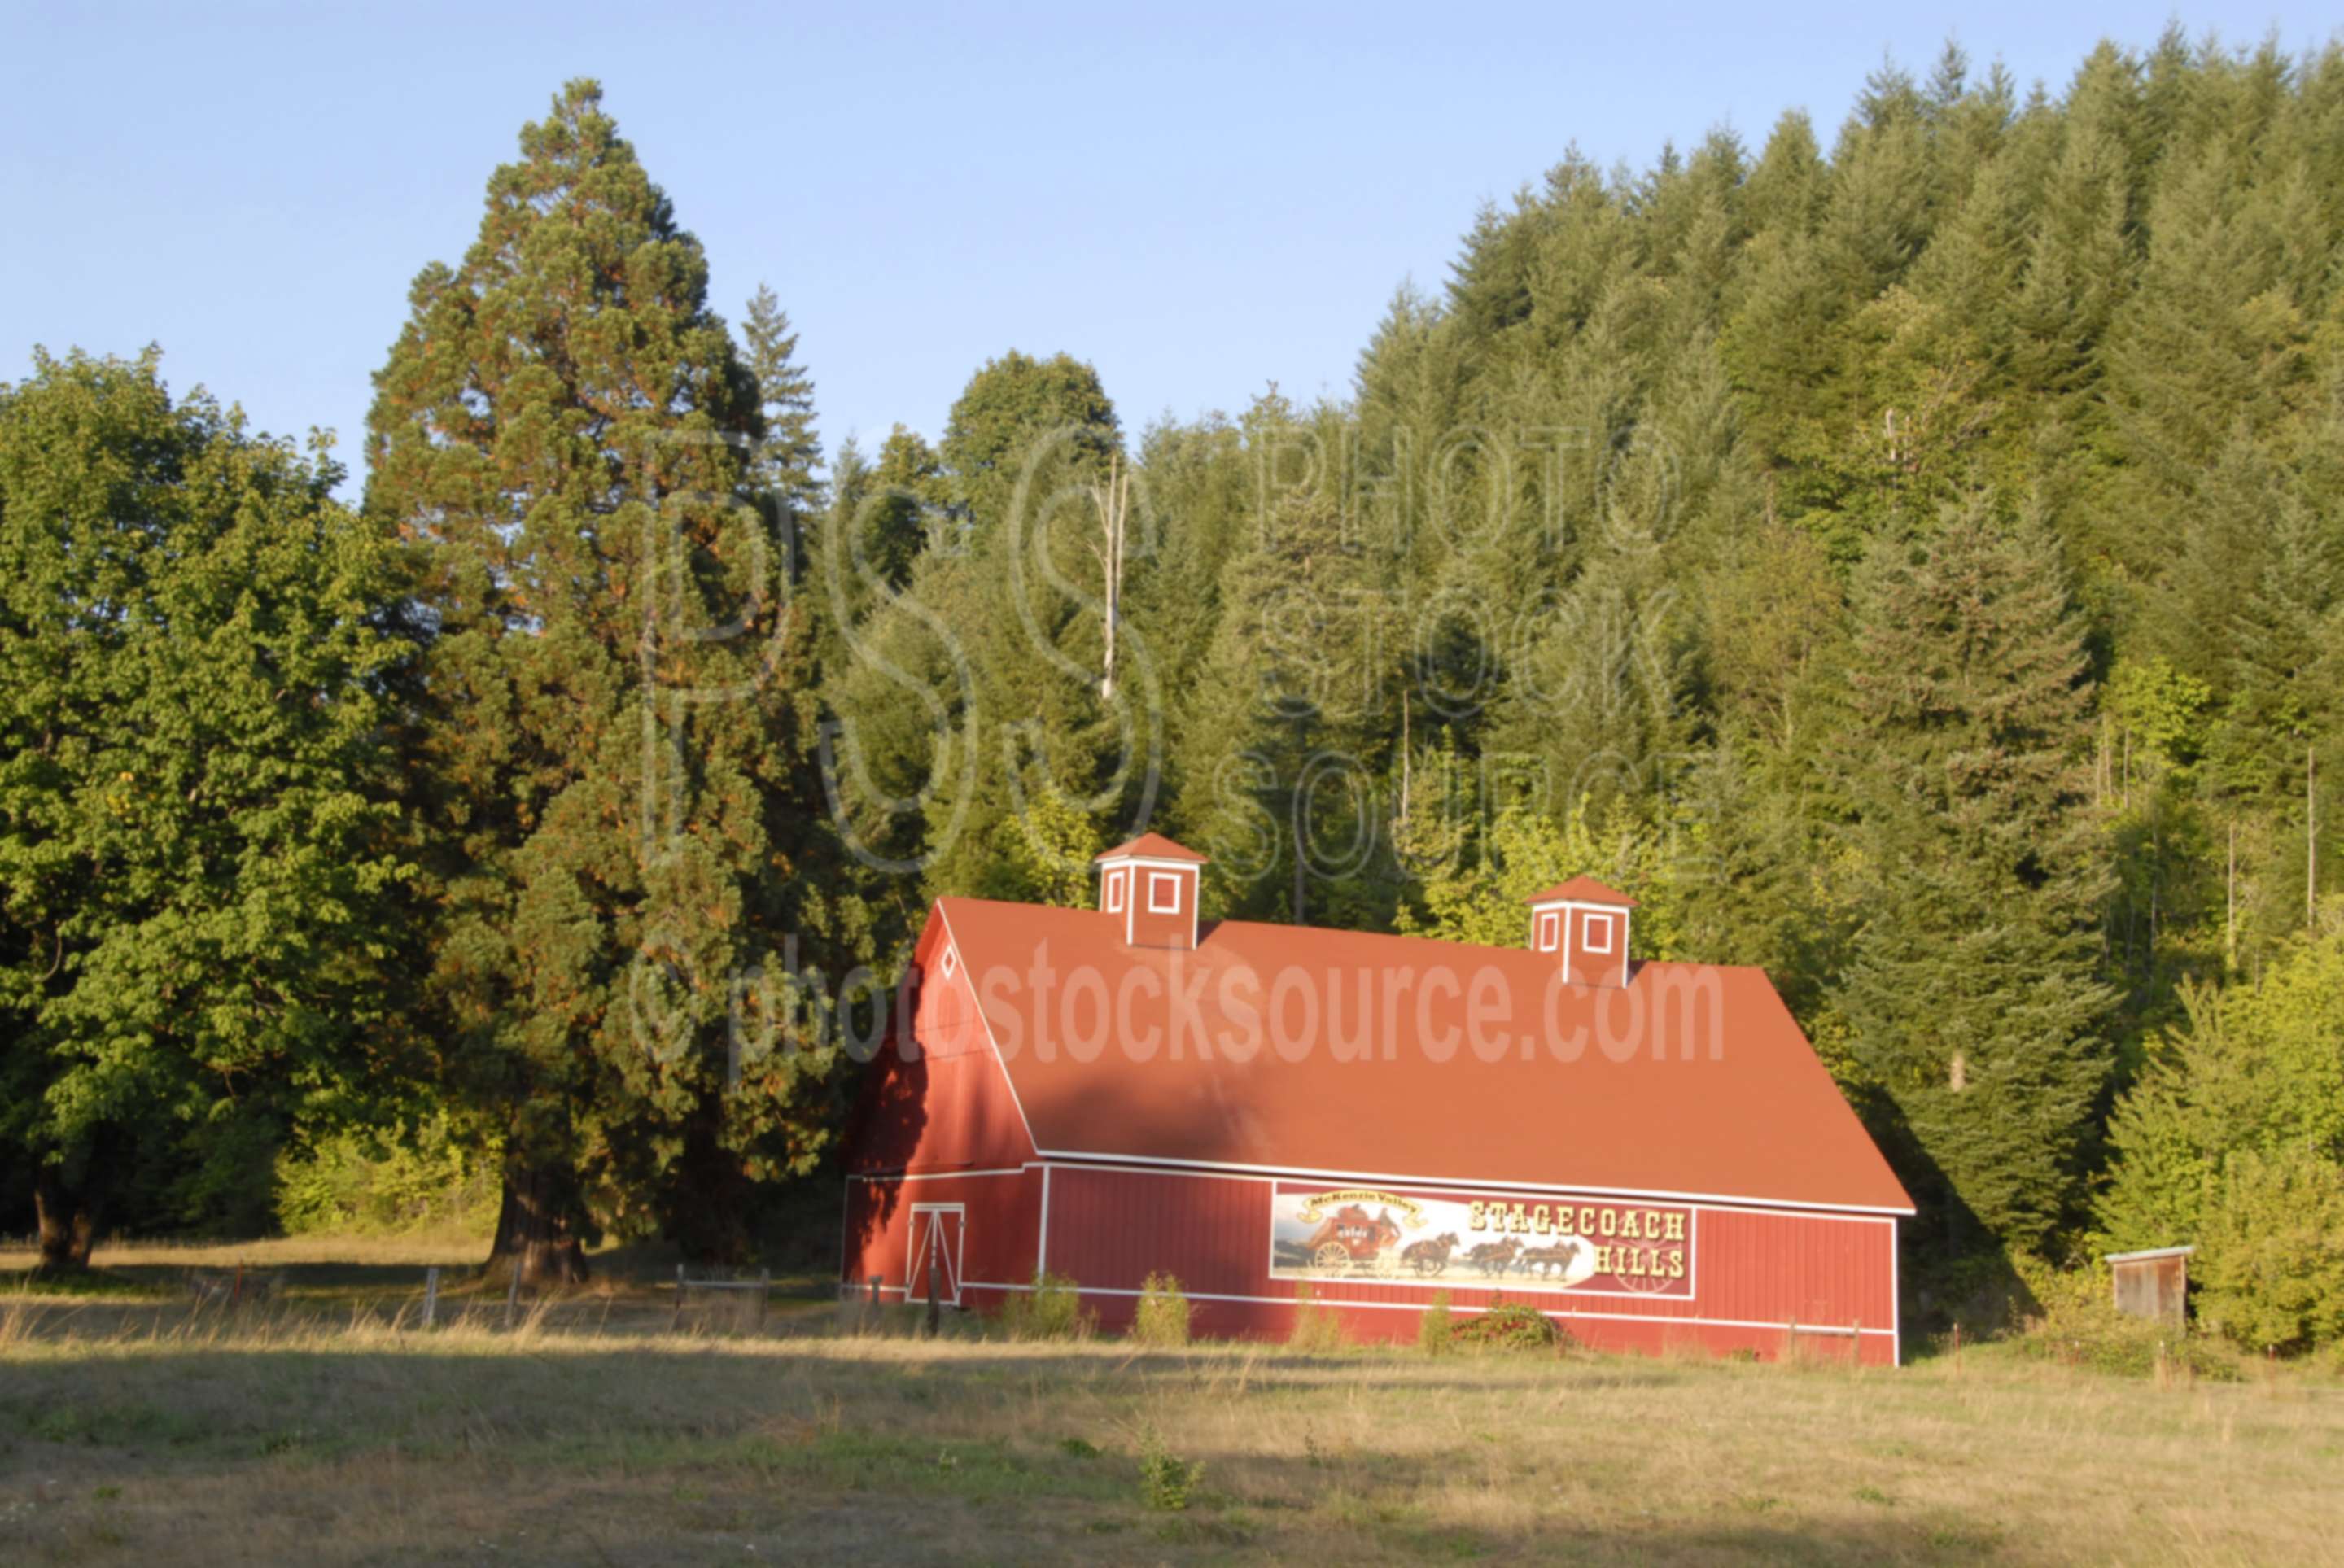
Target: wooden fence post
x: 431, y: 1297
x: 676, y: 1326
x: 765, y: 1295
x: 513, y: 1294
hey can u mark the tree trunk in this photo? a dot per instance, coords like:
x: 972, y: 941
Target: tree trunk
x: 705, y: 1207
x: 538, y: 1229
x: 69, y: 1215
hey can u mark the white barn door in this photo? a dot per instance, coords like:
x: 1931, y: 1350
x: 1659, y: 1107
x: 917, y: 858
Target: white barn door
x: 936, y: 1241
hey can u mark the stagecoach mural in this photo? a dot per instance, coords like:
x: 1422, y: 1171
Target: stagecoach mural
x: 1588, y: 1246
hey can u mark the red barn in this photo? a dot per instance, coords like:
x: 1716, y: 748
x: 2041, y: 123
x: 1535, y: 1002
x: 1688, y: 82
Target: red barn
x: 1648, y: 1152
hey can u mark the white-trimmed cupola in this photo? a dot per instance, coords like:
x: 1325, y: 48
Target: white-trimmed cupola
x: 1151, y: 886
x: 1586, y: 923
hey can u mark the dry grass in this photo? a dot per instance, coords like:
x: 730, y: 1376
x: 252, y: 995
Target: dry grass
x: 385, y: 1251
x: 144, y: 1431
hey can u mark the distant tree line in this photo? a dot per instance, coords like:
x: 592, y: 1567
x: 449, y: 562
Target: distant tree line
x: 1915, y: 566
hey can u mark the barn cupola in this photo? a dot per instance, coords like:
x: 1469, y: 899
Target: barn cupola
x: 1151, y: 886
x: 1586, y: 923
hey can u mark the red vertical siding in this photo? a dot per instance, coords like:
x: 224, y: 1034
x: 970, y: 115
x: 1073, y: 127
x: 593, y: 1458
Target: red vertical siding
x: 1818, y: 1270
x: 1001, y: 1230
x: 940, y: 1100
x: 1764, y: 1281
x: 1112, y: 1229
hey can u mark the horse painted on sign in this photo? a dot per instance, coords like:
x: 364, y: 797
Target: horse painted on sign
x: 1494, y: 1257
x: 1430, y: 1258
x: 1550, y: 1261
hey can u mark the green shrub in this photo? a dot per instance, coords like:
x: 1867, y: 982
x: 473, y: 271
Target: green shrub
x: 1162, y: 1319
x: 1166, y: 1479
x: 2077, y: 1325
x: 1315, y: 1329
x: 2271, y: 1261
x: 1052, y: 1310
x: 1508, y: 1326
x: 427, y: 1176
x: 1434, y: 1329
x: 2230, y: 1139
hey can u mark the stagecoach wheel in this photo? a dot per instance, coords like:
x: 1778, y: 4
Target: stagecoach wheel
x: 1331, y: 1256
x: 1642, y: 1284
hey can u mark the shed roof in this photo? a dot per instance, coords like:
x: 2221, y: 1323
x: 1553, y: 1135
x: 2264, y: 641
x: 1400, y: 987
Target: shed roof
x: 2148, y: 1255
x: 1692, y: 1081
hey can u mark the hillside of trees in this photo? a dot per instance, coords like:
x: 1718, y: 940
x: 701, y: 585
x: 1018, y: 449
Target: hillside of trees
x: 1909, y: 558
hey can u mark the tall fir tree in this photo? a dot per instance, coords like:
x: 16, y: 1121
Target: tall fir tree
x: 788, y: 457
x: 1974, y: 999
x: 1283, y: 759
x: 566, y: 438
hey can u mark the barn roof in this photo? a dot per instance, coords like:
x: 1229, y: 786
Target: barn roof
x: 1694, y: 1080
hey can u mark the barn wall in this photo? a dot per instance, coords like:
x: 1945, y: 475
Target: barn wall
x: 1775, y: 1283
x: 1002, y: 1226
x: 938, y: 1099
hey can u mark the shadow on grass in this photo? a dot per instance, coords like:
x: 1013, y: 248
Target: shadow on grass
x: 662, y: 1457
x: 83, y: 1284
x: 164, y: 1274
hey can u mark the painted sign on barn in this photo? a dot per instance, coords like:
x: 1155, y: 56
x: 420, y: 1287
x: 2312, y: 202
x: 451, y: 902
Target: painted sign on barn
x: 1588, y: 1246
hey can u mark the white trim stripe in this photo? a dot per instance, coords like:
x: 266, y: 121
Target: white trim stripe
x: 1042, y: 1231
x: 1840, y: 1330
x: 937, y: 1175
x: 1895, y: 1295
x: 1468, y: 1183
x: 1704, y: 1205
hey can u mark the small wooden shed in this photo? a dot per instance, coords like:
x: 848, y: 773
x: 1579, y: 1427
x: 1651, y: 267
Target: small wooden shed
x: 2153, y: 1284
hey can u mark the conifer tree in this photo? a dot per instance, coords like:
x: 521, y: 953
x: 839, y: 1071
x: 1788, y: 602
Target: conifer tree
x: 1008, y: 408
x: 1974, y: 999
x: 906, y: 506
x: 789, y: 454
x: 1282, y: 755
x: 563, y: 435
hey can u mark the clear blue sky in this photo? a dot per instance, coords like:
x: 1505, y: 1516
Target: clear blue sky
x: 1197, y: 203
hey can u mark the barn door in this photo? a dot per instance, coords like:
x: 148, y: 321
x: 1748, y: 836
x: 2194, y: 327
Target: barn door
x: 936, y: 1235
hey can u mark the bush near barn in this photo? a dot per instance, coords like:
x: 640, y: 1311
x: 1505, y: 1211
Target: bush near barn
x: 1161, y: 1319
x: 1508, y: 1326
x: 1052, y: 1310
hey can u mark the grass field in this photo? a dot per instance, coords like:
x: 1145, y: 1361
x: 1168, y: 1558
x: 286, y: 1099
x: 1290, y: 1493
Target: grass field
x: 135, y: 1428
